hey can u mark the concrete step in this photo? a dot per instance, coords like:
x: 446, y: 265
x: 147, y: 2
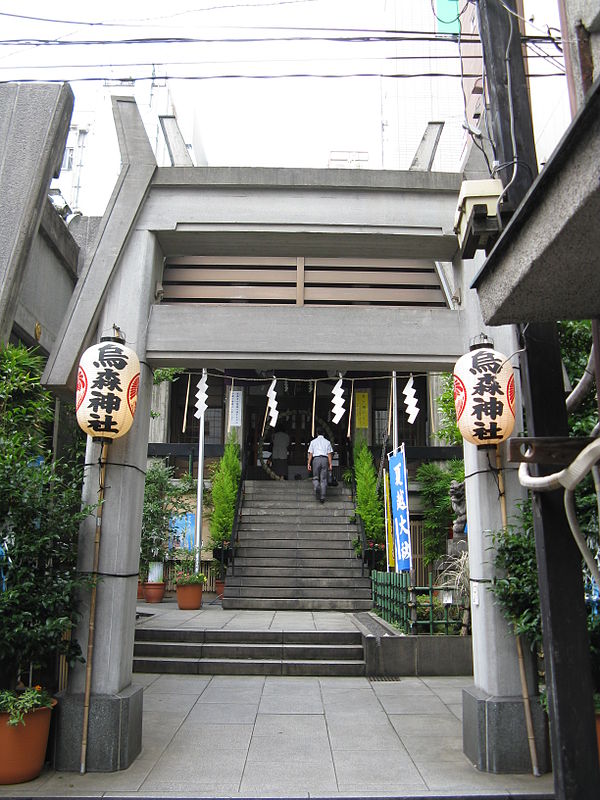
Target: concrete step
x: 353, y: 571
x: 294, y: 542
x: 346, y: 582
x: 286, y: 508
x: 230, y: 652
x: 227, y: 635
x: 296, y: 604
x: 300, y: 592
x: 268, y: 534
x: 236, y: 666
x: 263, y: 552
x: 249, y: 650
x: 296, y: 523
x: 323, y: 561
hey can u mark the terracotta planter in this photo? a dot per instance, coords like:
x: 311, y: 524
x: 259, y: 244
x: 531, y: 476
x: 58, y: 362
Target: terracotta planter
x: 219, y: 587
x: 23, y: 747
x: 189, y: 597
x: 153, y: 592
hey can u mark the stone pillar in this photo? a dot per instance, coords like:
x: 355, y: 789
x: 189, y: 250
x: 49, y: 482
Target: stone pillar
x: 116, y: 706
x: 494, y: 732
x: 159, y: 419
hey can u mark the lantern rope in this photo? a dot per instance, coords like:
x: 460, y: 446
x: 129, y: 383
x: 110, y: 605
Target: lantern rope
x: 108, y: 574
x: 115, y: 464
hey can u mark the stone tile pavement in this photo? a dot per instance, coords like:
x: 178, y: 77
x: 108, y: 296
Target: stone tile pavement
x: 253, y: 736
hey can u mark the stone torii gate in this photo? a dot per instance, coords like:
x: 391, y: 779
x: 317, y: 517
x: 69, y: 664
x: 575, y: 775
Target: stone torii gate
x: 181, y: 210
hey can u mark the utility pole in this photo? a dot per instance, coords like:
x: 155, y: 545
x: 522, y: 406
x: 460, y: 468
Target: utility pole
x: 566, y: 647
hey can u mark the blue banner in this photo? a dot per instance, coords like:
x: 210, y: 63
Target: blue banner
x: 399, y: 495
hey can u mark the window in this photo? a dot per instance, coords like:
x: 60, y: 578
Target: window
x: 67, y: 162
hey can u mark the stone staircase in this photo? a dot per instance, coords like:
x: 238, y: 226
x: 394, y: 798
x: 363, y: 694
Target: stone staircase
x: 241, y: 652
x: 294, y: 553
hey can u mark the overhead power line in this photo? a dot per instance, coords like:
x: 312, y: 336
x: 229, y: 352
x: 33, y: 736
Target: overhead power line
x: 246, y: 76
x: 358, y: 38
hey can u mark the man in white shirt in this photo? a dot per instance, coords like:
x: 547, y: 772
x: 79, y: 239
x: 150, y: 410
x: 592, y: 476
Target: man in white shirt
x: 320, y: 462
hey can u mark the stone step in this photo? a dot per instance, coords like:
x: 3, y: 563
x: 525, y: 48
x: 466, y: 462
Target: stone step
x: 310, y: 506
x: 346, y: 582
x: 299, y: 592
x: 332, y: 573
x: 228, y: 635
x: 295, y: 543
x: 328, y: 551
x: 249, y: 650
x: 314, y: 522
x: 296, y: 604
x: 236, y: 666
x: 297, y: 562
x: 269, y: 534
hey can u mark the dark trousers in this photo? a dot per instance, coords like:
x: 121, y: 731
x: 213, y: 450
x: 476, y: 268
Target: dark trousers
x: 320, y: 469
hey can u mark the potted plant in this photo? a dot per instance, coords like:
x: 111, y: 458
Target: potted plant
x: 24, y: 727
x: 219, y: 571
x: 40, y: 514
x: 163, y: 497
x: 188, y: 583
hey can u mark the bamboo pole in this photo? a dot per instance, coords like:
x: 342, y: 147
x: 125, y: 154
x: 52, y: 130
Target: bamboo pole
x: 313, y: 407
x: 92, y: 622
x: 522, y: 674
x: 350, y: 408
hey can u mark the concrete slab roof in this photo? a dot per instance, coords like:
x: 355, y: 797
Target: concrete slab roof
x: 544, y: 267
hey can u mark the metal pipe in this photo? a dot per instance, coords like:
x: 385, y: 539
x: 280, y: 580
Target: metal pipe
x: 198, y: 530
x: 92, y: 622
x: 395, y: 413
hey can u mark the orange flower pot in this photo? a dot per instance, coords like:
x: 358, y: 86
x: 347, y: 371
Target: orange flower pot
x: 189, y: 596
x: 153, y: 592
x: 219, y: 587
x: 23, y: 747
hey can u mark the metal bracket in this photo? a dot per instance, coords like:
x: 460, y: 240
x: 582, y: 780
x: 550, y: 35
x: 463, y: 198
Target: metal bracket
x: 554, y: 450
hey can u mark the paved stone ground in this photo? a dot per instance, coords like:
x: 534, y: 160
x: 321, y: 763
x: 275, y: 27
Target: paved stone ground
x: 236, y: 736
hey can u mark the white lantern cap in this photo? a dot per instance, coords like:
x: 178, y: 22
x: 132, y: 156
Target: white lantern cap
x: 108, y: 379
x: 484, y: 396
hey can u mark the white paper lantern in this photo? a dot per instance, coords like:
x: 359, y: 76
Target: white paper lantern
x: 108, y: 379
x: 484, y: 396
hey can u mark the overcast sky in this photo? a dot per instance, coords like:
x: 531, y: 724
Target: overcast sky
x: 267, y: 121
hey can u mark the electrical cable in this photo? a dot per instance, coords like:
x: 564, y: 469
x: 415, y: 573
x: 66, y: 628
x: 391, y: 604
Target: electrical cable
x: 239, y: 76
x: 169, y: 63
x: 584, y: 385
x: 146, y: 19
x: 511, y: 110
x: 569, y: 478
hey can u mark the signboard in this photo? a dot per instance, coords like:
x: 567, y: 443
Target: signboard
x: 361, y: 400
x: 235, y: 408
x: 399, y: 495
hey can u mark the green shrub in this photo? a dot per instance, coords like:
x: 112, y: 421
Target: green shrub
x: 163, y: 498
x: 40, y: 514
x: 225, y: 485
x: 516, y: 588
x: 369, y: 505
x: 438, y: 515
